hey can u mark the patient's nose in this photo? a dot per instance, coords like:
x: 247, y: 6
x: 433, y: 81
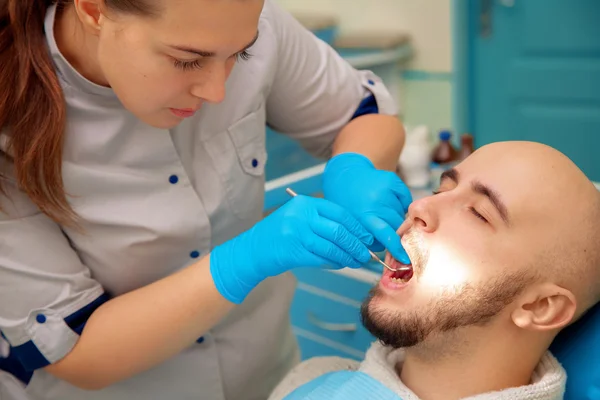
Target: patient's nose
x: 422, y: 215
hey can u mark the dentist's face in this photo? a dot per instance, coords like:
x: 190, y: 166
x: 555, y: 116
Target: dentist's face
x: 163, y: 67
x: 474, y: 246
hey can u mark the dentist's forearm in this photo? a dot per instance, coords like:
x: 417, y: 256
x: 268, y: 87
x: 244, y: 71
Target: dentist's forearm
x: 143, y: 328
x: 380, y: 138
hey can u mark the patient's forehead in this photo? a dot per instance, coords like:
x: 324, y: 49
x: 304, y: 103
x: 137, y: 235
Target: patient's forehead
x: 536, y: 183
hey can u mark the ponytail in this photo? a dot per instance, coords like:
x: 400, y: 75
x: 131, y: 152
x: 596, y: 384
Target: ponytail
x: 32, y: 107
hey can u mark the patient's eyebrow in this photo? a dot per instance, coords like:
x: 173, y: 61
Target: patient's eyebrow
x: 451, y: 174
x: 494, y: 198
x: 480, y: 188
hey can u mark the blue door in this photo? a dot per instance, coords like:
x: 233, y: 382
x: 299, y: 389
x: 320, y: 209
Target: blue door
x: 534, y: 74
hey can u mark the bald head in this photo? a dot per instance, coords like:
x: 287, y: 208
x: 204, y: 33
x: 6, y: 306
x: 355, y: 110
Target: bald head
x: 560, y: 204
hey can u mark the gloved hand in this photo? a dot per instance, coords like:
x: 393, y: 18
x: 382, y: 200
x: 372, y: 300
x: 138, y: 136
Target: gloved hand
x: 378, y: 199
x: 304, y: 232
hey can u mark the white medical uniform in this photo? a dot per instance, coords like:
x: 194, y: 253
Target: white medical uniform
x: 152, y: 201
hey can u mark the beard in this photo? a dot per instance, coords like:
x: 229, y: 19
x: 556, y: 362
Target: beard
x: 452, y: 308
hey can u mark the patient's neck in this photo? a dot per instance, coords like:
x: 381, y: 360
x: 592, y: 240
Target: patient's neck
x: 469, y: 362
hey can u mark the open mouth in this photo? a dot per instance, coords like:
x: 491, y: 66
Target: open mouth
x: 402, y: 274
x: 399, y: 278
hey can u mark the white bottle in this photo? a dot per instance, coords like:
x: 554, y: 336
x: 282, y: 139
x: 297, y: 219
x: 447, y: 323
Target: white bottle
x: 415, y: 160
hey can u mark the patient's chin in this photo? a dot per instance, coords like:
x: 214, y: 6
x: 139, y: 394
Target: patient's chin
x: 393, y: 327
x: 383, y: 327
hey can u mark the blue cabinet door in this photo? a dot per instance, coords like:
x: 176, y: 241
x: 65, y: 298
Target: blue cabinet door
x: 534, y: 70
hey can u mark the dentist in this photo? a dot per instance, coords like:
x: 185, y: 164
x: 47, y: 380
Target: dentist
x: 134, y: 259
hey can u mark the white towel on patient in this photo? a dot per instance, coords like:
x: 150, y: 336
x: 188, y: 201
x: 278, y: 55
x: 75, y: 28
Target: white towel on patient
x: 547, y: 383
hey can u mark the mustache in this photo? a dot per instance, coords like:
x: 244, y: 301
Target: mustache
x: 415, y: 246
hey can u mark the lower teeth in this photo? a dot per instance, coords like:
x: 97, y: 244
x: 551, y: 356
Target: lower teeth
x: 396, y: 280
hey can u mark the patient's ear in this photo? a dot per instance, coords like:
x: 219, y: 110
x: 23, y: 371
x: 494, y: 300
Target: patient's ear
x: 545, y: 307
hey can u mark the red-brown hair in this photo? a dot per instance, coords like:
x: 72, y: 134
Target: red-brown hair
x: 32, y: 105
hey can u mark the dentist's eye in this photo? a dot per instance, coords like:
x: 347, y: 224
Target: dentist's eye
x: 187, y: 65
x: 244, y: 55
x: 475, y: 213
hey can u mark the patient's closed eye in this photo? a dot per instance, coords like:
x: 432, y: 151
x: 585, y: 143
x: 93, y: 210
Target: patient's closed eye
x: 476, y: 214
x: 471, y: 209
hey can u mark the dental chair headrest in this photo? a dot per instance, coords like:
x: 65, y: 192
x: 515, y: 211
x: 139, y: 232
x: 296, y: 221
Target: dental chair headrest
x: 577, y: 348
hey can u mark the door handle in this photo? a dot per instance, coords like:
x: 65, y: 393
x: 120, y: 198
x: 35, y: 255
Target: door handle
x: 486, y: 14
x: 328, y: 326
x: 485, y: 18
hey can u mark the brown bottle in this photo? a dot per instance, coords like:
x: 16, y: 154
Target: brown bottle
x: 443, y: 158
x: 466, y: 146
x: 444, y: 152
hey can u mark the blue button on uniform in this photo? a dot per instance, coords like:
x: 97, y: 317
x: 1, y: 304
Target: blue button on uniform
x: 200, y: 340
x: 195, y: 254
x: 173, y: 179
x: 254, y: 163
x: 371, y: 82
x: 40, y: 318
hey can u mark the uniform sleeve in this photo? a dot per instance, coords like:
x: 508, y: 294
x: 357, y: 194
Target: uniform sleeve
x: 46, y: 293
x: 315, y: 92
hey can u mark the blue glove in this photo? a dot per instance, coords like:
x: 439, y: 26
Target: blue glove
x: 378, y: 199
x: 304, y: 232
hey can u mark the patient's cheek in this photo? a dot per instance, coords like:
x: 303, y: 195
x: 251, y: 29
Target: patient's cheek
x: 445, y: 267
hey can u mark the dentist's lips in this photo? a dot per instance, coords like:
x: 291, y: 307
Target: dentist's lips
x: 184, y: 112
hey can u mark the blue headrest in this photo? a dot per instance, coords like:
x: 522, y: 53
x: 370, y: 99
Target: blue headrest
x: 577, y: 348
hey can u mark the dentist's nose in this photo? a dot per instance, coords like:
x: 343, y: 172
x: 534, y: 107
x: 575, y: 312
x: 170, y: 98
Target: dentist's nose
x: 212, y: 88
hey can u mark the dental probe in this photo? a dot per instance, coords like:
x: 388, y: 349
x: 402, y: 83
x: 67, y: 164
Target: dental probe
x: 373, y: 255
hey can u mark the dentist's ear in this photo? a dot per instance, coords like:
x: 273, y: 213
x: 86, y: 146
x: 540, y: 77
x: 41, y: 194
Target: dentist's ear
x: 545, y: 307
x: 90, y: 14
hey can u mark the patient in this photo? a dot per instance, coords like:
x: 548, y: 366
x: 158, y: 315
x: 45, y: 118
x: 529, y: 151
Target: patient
x: 503, y: 257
